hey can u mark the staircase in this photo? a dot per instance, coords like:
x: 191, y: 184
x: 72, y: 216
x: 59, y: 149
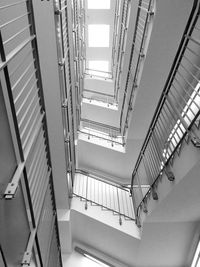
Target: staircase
x: 93, y: 191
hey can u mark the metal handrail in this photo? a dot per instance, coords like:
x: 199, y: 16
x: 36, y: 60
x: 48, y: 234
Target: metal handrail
x: 176, y: 113
x: 121, y: 47
x: 102, y: 125
x: 101, y: 131
x: 106, y: 99
x: 137, y: 54
x: 143, y: 43
x: 107, y: 195
x: 115, y: 32
x: 102, y: 179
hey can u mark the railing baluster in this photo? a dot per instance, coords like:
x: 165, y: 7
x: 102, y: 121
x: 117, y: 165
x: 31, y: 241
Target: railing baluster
x: 155, y: 196
x: 86, y: 196
x: 120, y: 218
x: 108, y: 196
x: 177, y: 110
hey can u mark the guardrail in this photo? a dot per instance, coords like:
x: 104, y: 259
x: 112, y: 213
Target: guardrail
x: 65, y: 67
x: 141, y: 38
x: 119, y: 59
x: 101, y: 131
x: 106, y: 99
x: 176, y: 113
x: 115, y: 32
x: 78, y: 8
x: 105, y: 194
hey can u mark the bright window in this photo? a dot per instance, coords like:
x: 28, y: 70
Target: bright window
x: 98, y: 4
x: 98, y: 35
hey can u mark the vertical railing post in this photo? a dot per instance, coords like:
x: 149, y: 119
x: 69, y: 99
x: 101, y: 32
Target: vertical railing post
x: 155, y: 195
x: 86, y: 194
x: 141, y: 193
x: 120, y: 218
x: 135, y: 207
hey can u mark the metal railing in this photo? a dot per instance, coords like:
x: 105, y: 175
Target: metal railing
x: 122, y: 35
x: 142, y: 33
x: 101, y: 131
x: 116, y: 31
x: 78, y: 16
x: 176, y: 113
x: 65, y: 74
x: 92, y: 73
x: 106, y: 99
x: 141, y: 37
x: 107, y: 195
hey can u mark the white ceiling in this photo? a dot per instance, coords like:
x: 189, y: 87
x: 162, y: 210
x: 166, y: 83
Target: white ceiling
x: 170, y: 21
x: 163, y: 244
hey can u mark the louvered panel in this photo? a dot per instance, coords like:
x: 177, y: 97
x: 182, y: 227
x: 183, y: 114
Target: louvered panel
x: 46, y: 226
x: 25, y: 94
x: 15, y: 30
x: 54, y: 255
x: 15, y: 27
x: 38, y: 173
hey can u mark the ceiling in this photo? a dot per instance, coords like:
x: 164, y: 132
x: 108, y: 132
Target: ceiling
x: 169, y: 24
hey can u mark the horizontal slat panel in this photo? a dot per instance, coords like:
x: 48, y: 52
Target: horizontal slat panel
x: 46, y: 226
x: 38, y: 172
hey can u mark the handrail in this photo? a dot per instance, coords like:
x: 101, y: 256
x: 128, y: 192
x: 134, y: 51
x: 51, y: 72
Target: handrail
x: 140, y: 57
x: 107, y: 72
x: 106, y: 126
x: 115, y: 32
x: 105, y: 194
x: 101, y: 131
x: 121, y: 46
x: 137, y: 54
x: 96, y: 92
x: 177, y: 111
x: 102, y: 179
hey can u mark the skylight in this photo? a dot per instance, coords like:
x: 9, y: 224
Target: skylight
x: 98, y: 35
x: 98, y: 4
x: 98, y: 68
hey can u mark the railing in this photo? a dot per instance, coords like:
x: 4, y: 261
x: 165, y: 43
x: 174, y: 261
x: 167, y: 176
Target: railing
x: 101, y: 131
x: 65, y: 75
x: 92, y: 73
x: 142, y: 33
x: 79, y: 50
x: 122, y: 32
x: 105, y: 194
x: 116, y: 31
x: 176, y: 113
x: 105, y: 99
